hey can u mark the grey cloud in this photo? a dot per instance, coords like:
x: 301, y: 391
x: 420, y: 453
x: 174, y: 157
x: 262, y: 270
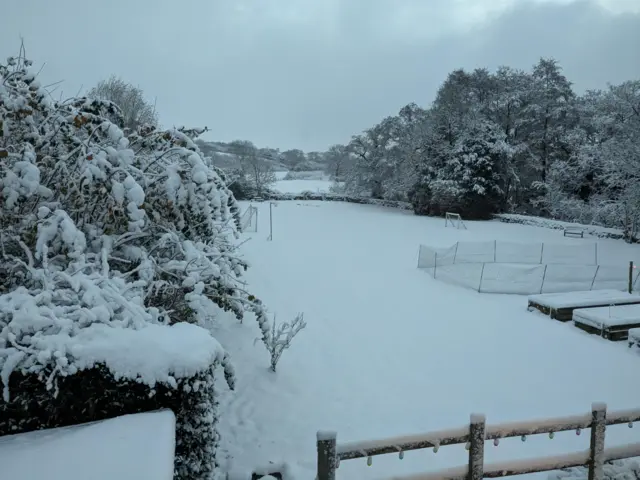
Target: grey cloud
x: 309, y: 73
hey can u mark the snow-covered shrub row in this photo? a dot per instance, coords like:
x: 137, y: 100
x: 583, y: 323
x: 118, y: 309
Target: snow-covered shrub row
x: 330, y: 197
x: 305, y: 175
x: 628, y: 469
x: 595, y: 230
x: 95, y: 394
x: 103, y: 230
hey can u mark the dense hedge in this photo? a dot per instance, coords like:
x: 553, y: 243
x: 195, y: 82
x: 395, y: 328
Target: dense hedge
x: 95, y: 394
x: 594, y: 230
x: 331, y: 197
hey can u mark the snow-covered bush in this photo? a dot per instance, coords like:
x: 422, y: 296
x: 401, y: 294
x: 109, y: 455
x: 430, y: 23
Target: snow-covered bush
x: 238, y: 184
x: 281, y: 337
x: 78, y: 194
x: 296, y: 174
x: 103, y: 234
x: 124, y: 371
x: 594, y: 230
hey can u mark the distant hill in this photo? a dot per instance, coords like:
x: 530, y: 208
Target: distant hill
x: 222, y: 156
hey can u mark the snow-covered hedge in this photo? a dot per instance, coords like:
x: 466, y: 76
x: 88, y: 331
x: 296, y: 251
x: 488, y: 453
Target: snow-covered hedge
x: 123, y: 371
x: 330, y: 197
x: 108, y: 238
x: 305, y: 175
x: 595, y: 230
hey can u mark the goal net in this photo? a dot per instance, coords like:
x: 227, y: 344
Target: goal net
x: 454, y: 219
x: 249, y: 220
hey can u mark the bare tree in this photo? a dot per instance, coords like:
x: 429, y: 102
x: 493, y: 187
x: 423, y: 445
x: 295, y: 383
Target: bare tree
x: 337, y: 158
x: 258, y: 171
x: 135, y: 109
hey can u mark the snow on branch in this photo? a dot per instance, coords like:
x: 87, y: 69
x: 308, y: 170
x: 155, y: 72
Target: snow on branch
x: 280, y: 337
x: 110, y: 238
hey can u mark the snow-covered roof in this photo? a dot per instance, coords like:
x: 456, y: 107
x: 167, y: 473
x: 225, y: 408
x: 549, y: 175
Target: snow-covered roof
x: 131, y: 447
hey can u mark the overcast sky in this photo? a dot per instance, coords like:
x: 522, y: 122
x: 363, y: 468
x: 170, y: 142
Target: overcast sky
x: 310, y: 73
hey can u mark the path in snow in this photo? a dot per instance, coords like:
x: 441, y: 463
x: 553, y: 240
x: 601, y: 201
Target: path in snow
x: 389, y: 351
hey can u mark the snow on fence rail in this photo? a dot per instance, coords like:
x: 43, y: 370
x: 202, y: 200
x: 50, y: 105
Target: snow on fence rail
x: 330, y: 454
x: 525, y: 268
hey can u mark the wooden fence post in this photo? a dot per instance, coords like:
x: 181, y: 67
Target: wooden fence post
x: 598, y: 429
x: 476, y: 446
x: 631, y: 276
x: 327, y: 456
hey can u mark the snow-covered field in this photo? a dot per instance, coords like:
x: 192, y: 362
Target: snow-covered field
x: 299, y: 186
x: 390, y: 351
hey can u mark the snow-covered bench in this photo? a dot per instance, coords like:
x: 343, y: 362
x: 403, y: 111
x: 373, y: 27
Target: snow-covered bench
x: 574, y: 232
x: 634, y: 337
x: 131, y: 447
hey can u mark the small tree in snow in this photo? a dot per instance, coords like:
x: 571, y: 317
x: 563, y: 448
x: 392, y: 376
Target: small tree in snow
x: 281, y: 337
x: 134, y: 107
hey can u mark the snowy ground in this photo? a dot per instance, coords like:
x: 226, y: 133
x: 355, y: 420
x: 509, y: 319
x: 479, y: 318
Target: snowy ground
x: 299, y: 186
x: 131, y: 447
x: 389, y: 350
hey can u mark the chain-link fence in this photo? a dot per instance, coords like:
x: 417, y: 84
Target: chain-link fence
x: 525, y: 268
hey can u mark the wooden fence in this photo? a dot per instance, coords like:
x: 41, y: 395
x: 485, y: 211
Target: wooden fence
x: 330, y: 454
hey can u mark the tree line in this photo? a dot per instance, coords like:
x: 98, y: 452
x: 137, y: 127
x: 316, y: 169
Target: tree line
x: 490, y: 142
x: 506, y: 141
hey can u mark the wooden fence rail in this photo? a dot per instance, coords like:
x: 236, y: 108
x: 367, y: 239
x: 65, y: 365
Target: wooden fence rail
x: 330, y: 454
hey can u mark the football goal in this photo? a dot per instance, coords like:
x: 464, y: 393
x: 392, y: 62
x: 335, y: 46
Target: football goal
x: 454, y: 219
x: 249, y: 220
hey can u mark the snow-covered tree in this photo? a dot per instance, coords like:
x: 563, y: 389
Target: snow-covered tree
x: 105, y: 229
x: 337, y: 158
x: 257, y: 171
x: 549, y: 115
x: 620, y: 153
x: 291, y: 158
x: 525, y: 137
x: 135, y: 109
x: 598, y: 181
